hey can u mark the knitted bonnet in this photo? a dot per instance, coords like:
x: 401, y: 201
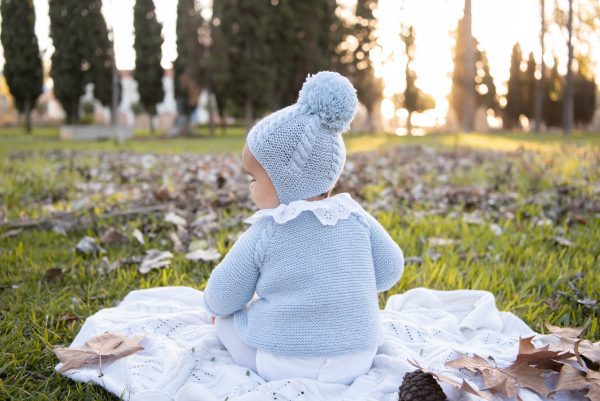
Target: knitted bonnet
x: 301, y: 146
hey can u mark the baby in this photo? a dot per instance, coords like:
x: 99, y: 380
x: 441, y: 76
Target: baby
x: 315, y: 262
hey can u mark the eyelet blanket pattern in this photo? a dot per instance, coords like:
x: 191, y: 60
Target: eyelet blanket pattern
x: 183, y: 359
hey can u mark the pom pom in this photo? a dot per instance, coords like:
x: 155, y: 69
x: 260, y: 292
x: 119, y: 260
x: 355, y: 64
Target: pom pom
x: 332, y: 97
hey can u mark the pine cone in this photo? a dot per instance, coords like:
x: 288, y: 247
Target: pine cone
x: 420, y: 386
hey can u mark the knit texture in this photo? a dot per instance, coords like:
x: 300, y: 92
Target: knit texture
x: 317, y: 284
x: 301, y: 146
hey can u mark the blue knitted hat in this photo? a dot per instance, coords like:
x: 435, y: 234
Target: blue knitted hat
x: 301, y: 146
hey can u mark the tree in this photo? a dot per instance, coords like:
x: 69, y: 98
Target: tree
x: 529, y: 88
x: 515, y: 104
x: 553, y: 97
x: 539, y: 92
x: 414, y: 99
x: 148, y: 54
x: 584, y: 92
x: 23, y: 65
x: 356, y: 63
x: 567, y: 111
x: 69, y: 66
x: 99, y: 51
x: 462, y: 96
x: 487, y: 96
x: 190, y: 65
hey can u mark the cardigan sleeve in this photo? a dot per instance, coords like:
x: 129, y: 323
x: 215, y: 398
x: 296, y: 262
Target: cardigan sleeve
x: 388, y: 259
x: 232, y: 283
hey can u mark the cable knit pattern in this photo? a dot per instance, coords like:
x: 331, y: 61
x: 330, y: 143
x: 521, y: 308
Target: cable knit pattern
x: 316, y: 283
x: 301, y: 146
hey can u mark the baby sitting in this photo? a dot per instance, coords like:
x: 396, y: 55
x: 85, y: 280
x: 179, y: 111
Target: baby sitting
x: 316, y: 262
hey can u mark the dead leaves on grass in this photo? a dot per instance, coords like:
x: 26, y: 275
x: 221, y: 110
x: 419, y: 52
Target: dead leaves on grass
x: 103, y: 347
x: 533, y: 366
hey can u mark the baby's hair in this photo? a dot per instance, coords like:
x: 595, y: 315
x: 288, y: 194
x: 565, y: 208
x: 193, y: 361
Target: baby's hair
x: 327, y: 194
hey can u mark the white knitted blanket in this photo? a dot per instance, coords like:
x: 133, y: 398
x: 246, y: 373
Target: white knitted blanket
x: 183, y: 360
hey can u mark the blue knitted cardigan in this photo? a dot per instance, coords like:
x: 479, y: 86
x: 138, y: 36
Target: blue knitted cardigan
x: 316, y: 283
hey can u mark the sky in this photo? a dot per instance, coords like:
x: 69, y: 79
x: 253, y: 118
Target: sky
x: 497, y: 24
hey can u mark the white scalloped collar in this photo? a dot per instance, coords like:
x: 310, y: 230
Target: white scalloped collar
x: 329, y: 210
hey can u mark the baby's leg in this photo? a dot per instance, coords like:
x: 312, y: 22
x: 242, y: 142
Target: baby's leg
x: 242, y: 353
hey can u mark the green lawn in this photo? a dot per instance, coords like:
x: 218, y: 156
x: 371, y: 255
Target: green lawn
x: 517, y: 215
x: 233, y: 141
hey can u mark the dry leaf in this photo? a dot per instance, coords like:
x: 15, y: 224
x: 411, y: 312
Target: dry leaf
x: 573, y: 332
x: 104, y: 346
x: 175, y: 219
x: 508, y: 380
x: 88, y: 245
x: 113, y: 236
x: 572, y: 379
x: 207, y: 255
x: 435, y: 241
x: 569, y: 342
x: 137, y: 234
x: 155, y: 259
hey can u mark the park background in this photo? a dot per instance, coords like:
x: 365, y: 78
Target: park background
x: 476, y: 145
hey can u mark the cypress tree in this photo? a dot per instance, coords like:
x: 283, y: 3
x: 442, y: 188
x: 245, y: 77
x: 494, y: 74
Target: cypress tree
x: 529, y: 88
x: 148, y: 54
x: 99, y: 51
x: 515, y: 105
x: 23, y: 65
x: 487, y: 96
x: 414, y: 99
x: 553, y: 97
x: 584, y: 92
x: 69, y: 66
x: 190, y: 65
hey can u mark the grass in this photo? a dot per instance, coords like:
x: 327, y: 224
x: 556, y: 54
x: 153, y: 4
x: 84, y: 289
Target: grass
x: 530, y: 273
x: 233, y: 141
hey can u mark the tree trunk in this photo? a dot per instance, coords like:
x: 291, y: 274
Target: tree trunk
x: 409, y: 123
x: 27, y: 117
x: 248, y: 114
x: 539, y: 93
x: 469, y: 114
x: 210, y: 108
x: 152, y: 125
x: 114, y: 104
x: 567, y: 111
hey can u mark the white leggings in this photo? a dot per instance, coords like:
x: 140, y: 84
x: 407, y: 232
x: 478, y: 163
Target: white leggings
x: 242, y: 353
x: 341, y: 369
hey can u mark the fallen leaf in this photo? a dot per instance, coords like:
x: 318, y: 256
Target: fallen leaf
x: 562, y: 241
x: 177, y: 244
x: 175, y: 219
x: 505, y: 381
x: 68, y: 317
x: 88, y: 245
x: 435, y: 241
x: 155, y: 259
x: 53, y: 274
x: 11, y: 233
x: 573, y: 332
x: 207, y: 255
x: 113, y: 236
x: 573, y: 379
x: 413, y: 260
x: 162, y: 194
x: 569, y: 342
x: 104, y: 346
x: 137, y: 234
x: 496, y: 229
